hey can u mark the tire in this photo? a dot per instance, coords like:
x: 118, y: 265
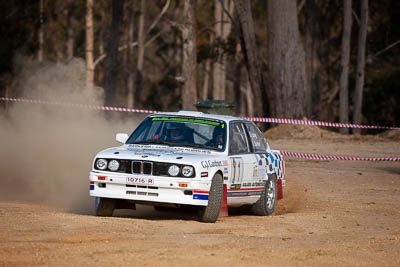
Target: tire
x: 210, y: 213
x: 265, y: 205
x: 104, y: 206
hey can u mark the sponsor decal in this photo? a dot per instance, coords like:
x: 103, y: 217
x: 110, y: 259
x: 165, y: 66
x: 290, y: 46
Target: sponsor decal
x: 91, y: 185
x: 226, y: 178
x: 200, y: 195
x: 237, y: 170
x: 235, y: 186
x: 226, y: 170
x: 214, y: 123
x: 162, y: 150
x: 255, y: 171
x: 204, y: 174
x: 271, y: 158
x: 254, y: 184
x: 212, y: 163
x: 256, y: 143
x: 244, y: 192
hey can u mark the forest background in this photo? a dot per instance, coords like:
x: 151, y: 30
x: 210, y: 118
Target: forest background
x: 333, y: 60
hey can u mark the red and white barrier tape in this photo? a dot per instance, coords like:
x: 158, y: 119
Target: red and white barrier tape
x: 324, y: 157
x: 77, y: 105
x: 256, y: 119
x: 270, y: 120
x: 319, y: 123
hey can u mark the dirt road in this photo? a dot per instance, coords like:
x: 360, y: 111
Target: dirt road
x: 332, y: 214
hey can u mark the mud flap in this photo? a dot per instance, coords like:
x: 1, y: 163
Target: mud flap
x: 280, y: 189
x: 224, y: 208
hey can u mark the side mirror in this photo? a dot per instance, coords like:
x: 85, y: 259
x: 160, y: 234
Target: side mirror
x: 121, y: 137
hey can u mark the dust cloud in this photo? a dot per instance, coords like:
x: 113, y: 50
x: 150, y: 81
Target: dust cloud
x: 46, y: 151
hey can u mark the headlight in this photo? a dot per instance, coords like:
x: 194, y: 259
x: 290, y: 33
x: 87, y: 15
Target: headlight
x: 113, y: 165
x: 187, y: 171
x: 173, y: 170
x: 101, y: 164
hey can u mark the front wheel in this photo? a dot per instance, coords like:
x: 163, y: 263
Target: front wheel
x: 265, y: 205
x: 210, y: 213
x: 104, y: 206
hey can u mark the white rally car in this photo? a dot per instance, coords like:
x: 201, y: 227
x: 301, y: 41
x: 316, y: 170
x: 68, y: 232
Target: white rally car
x: 189, y: 158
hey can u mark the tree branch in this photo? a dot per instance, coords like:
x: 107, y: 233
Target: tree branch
x: 355, y: 17
x: 301, y: 6
x: 133, y: 44
x: 153, y: 38
x: 165, y: 8
x: 333, y: 95
x: 121, y: 48
x: 230, y: 17
x: 387, y: 48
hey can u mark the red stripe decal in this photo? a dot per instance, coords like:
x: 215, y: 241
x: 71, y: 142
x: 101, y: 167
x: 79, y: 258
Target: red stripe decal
x: 200, y: 192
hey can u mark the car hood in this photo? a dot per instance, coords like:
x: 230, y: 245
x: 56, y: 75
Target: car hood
x: 159, y: 153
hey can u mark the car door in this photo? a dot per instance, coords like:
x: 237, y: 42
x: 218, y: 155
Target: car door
x: 259, y: 148
x: 242, y: 160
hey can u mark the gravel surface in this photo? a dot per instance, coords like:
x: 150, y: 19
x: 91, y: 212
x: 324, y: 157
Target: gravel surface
x: 334, y: 213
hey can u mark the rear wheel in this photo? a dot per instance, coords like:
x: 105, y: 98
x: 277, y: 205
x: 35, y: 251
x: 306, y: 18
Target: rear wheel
x: 104, y: 206
x: 265, y: 205
x: 210, y: 213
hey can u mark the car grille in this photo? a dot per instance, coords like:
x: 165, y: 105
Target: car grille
x: 144, y: 167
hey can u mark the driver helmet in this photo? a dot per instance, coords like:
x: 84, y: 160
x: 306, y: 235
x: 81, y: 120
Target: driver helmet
x: 175, y: 131
x: 218, y: 135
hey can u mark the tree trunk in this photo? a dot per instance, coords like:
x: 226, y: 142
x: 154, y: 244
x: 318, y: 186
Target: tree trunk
x: 222, y: 29
x: 226, y: 30
x: 110, y: 80
x: 252, y: 59
x: 362, y: 40
x: 189, y: 92
x: 129, y: 66
x: 310, y: 51
x: 89, y: 44
x: 101, y: 33
x: 239, y: 99
x: 249, y: 98
x: 140, y: 56
x: 217, y: 66
x: 286, y: 60
x: 345, y: 60
x: 41, y: 31
x: 70, y: 31
x: 207, y: 69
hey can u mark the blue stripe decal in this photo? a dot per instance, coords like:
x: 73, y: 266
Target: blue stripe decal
x: 200, y: 197
x: 92, y: 187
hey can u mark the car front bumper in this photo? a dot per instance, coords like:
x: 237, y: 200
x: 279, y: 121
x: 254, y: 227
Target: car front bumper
x: 163, y: 189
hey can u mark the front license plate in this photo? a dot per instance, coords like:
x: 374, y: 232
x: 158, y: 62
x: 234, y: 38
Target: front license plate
x: 139, y: 181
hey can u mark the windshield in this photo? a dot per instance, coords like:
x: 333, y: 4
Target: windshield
x: 181, y: 131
